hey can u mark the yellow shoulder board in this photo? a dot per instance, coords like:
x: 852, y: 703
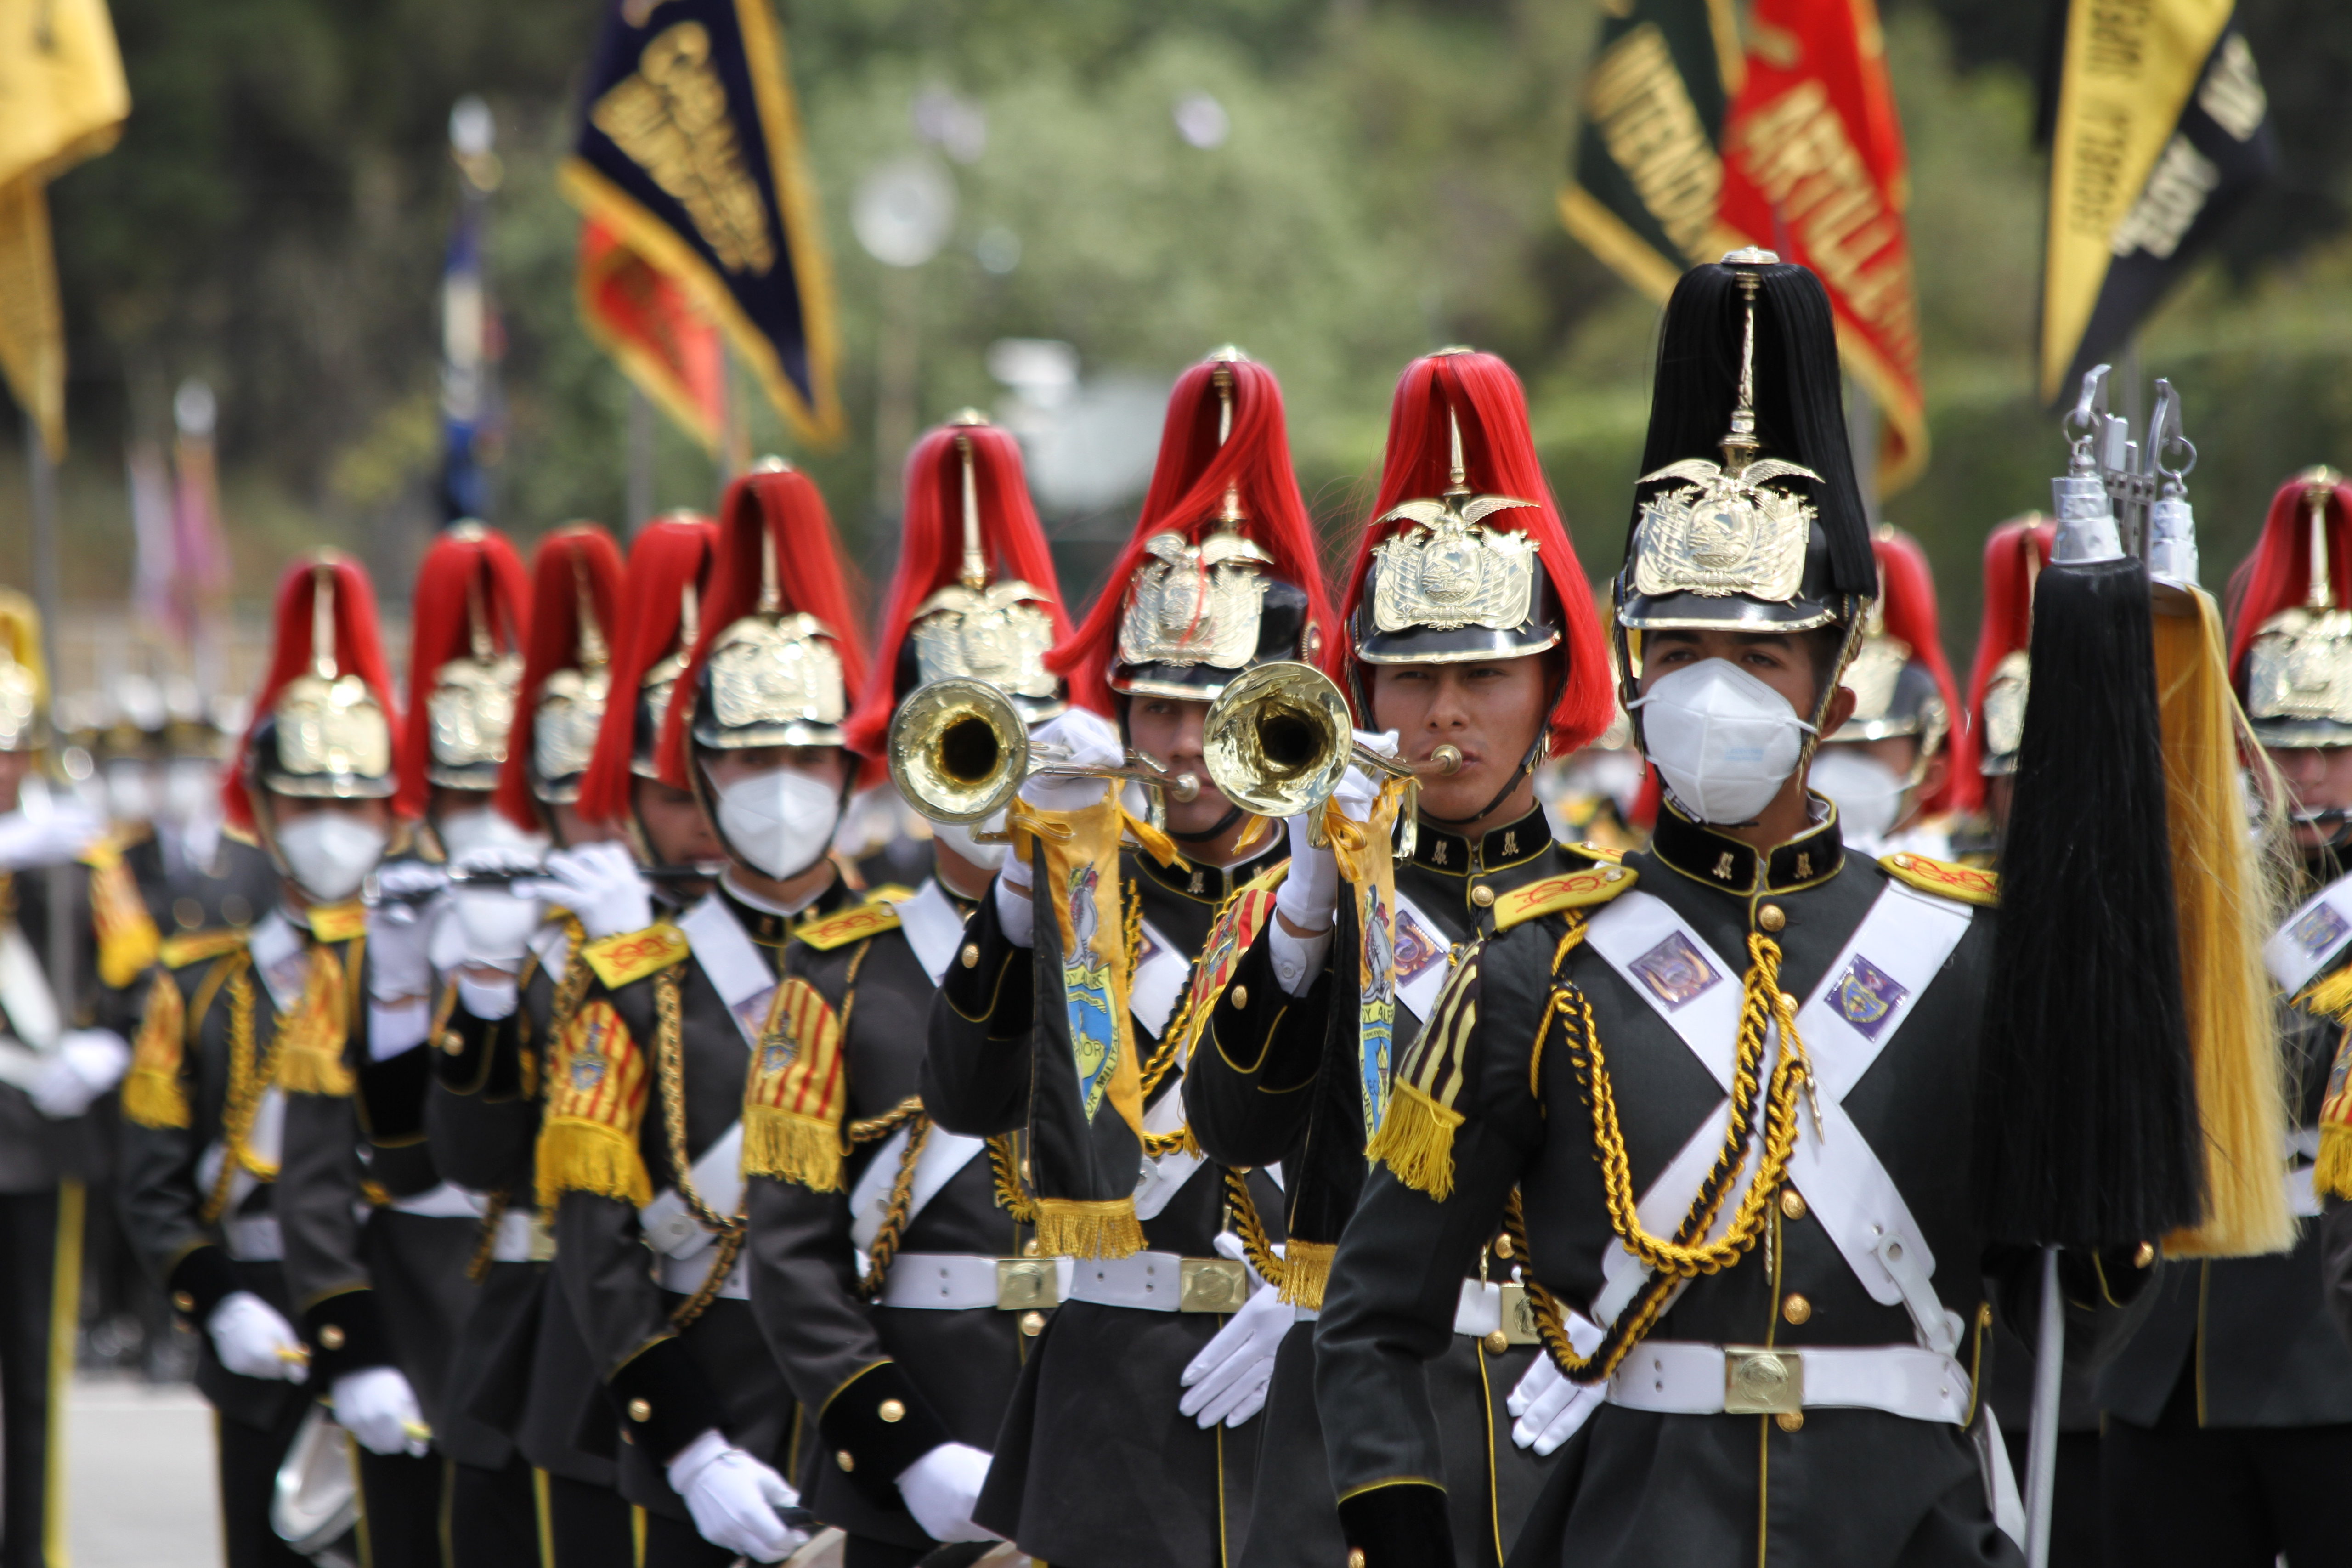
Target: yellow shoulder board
x: 339, y: 922
x: 634, y: 954
x: 1599, y: 852
x: 1945, y: 879
x: 850, y: 925
x: 1569, y: 890
x: 184, y: 948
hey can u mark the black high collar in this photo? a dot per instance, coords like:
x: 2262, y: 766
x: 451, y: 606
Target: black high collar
x: 1730, y: 866
x: 770, y: 929
x: 1211, y: 885
x: 1453, y: 855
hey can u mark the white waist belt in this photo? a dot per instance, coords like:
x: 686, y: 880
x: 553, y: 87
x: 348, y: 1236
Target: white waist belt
x: 1679, y: 1378
x: 447, y: 1201
x: 521, y: 1238
x: 1479, y: 1313
x: 955, y: 1281
x: 254, y: 1238
x: 1159, y: 1282
x: 685, y: 1275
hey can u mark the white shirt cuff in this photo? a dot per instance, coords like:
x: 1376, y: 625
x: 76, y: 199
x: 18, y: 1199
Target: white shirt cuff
x: 1297, y: 960
x: 487, y: 1000
x: 398, y: 1027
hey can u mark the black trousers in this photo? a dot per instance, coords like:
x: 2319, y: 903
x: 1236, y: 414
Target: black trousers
x: 401, y: 1513
x: 32, y: 1317
x: 671, y: 1544
x: 249, y: 1457
x: 2224, y: 1496
x: 586, y: 1526
x: 493, y: 1517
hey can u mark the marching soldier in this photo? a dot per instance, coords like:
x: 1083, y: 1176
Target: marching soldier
x: 1066, y: 1017
x: 875, y: 1273
x: 1509, y: 673
x: 645, y: 1135
x: 498, y: 1010
x: 1986, y: 745
x: 2229, y: 1413
x: 1788, y: 1311
x: 1888, y: 768
x: 61, y: 1047
x: 247, y: 1033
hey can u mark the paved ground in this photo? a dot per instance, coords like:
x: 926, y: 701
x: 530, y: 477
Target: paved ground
x: 139, y: 1476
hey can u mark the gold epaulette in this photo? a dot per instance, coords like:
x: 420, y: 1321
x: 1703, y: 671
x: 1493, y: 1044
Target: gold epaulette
x: 634, y: 954
x: 339, y: 922
x: 1569, y: 890
x: 1599, y: 852
x: 184, y: 948
x: 1945, y: 879
x: 849, y: 925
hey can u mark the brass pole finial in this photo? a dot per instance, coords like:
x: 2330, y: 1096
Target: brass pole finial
x: 976, y: 562
x: 2320, y: 485
x: 323, y: 620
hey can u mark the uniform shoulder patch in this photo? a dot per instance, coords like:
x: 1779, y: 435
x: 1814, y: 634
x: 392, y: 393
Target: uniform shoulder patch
x: 1945, y: 879
x: 634, y: 954
x: 1568, y: 891
x: 849, y: 925
x: 184, y: 948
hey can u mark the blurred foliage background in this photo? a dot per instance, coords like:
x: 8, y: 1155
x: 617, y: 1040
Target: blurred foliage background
x: 275, y: 217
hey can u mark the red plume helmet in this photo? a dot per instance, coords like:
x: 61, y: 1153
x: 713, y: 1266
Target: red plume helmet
x: 1458, y: 443
x: 780, y: 644
x: 975, y: 573
x: 575, y: 593
x: 469, y: 620
x: 1899, y: 675
x: 2015, y: 555
x: 1223, y: 516
x: 312, y: 732
x: 669, y: 568
x: 2291, y: 631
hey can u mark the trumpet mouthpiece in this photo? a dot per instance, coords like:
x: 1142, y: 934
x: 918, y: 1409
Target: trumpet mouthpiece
x: 1447, y: 760
x: 1184, y: 789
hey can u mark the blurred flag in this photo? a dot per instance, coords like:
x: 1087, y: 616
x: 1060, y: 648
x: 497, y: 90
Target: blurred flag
x: 469, y: 353
x: 62, y: 98
x: 155, y: 553
x: 2162, y: 132
x: 1813, y: 168
x: 1646, y: 177
x: 652, y: 329
x: 200, y: 565
x: 688, y: 155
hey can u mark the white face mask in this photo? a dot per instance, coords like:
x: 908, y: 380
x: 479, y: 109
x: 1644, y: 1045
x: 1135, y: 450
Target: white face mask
x: 484, y: 827
x: 779, y: 821
x: 958, y: 836
x: 1724, y: 740
x: 331, y: 853
x: 1868, y: 793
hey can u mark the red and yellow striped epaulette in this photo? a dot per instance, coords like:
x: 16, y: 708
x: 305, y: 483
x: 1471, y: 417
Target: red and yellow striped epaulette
x: 128, y: 941
x: 1568, y: 891
x: 1945, y: 879
x: 846, y: 926
x: 634, y: 954
x: 184, y: 948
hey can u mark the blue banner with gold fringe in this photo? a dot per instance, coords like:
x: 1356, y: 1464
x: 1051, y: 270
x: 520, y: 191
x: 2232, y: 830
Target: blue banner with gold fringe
x: 689, y: 152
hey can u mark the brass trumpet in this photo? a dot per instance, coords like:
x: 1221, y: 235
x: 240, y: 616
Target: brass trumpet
x: 959, y: 753
x: 1279, y: 740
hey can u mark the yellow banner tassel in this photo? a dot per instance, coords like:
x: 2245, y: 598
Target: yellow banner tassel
x: 2226, y: 907
x: 1075, y: 1227
x: 1307, y: 1270
x: 1415, y: 1141
x: 805, y: 1150
x: 153, y: 1094
x: 591, y: 1157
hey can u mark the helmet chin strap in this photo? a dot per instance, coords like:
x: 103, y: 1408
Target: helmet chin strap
x: 1233, y: 814
x: 1527, y: 762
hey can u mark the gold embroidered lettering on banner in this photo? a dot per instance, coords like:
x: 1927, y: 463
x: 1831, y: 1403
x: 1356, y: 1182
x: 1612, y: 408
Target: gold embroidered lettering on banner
x: 472, y: 709
x: 1724, y: 534
x: 1636, y: 98
x: 998, y: 633
x: 1450, y: 573
x: 2004, y: 704
x: 2300, y: 667
x: 778, y: 671
x: 571, y: 712
x: 673, y: 120
x: 1195, y: 603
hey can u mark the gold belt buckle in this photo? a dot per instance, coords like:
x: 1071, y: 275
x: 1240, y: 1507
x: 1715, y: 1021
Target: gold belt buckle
x: 1520, y: 1317
x: 1026, y: 1284
x: 543, y: 1237
x: 1760, y: 1380
x: 1213, y: 1285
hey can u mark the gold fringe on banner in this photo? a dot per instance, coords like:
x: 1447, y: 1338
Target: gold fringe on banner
x: 1075, y: 1227
x: 591, y: 1157
x: 805, y: 1150
x: 1415, y: 1140
x: 153, y: 1094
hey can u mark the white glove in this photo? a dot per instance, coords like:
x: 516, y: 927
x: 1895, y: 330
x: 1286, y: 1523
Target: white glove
x: 942, y: 1487
x: 400, y: 931
x: 1310, y: 893
x: 734, y: 1498
x: 379, y: 1408
x: 1227, y: 1380
x: 1549, y: 1407
x: 1092, y: 742
x: 253, y: 1341
x: 599, y: 883
x: 50, y: 837
x: 84, y: 1064
x: 496, y: 923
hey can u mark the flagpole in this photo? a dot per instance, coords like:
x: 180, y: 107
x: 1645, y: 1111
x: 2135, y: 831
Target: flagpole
x: 1862, y: 436
x: 640, y: 502
x: 46, y: 596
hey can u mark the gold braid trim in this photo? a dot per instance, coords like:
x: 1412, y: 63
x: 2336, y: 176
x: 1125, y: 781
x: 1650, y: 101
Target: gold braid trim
x: 1250, y: 1226
x: 153, y: 1094
x: 722, y: 1263
x: 1012, y: 1196
x: 247, y: 1079
x: 895, y: 1217
x: 572, y: 989
x: 486, y: 1243
x: 1088, y: 1228
x: 889, y: 1122
x: 669, y: 1071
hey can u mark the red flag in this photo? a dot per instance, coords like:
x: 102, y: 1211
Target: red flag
x: 1813, y: 168
x: 645, y: 321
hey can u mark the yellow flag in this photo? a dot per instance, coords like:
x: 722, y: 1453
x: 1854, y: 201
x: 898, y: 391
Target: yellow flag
x: 62, y: 98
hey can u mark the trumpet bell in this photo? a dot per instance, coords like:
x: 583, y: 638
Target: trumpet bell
x: 1278, y: 739
x: 958, y: 750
